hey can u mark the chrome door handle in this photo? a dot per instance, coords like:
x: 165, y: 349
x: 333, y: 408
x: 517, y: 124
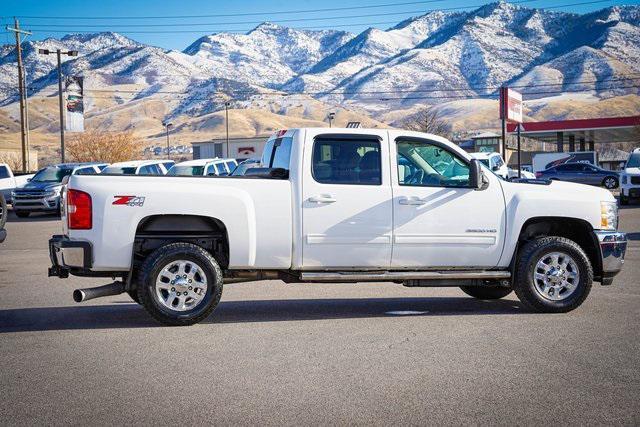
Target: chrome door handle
x: 411, y: 201
x: 322, y: 198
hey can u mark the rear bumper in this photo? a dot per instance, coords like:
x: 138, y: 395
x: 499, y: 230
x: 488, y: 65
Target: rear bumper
x: 613, y: 246
x: 69, y: 256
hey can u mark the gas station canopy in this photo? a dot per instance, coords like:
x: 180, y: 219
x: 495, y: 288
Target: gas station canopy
x: 600, y: 130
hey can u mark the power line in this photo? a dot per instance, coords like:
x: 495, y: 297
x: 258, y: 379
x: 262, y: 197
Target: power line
x: 47, y: 29
x: 184, y: 96
x: 333, y: 9
x: 373, y: 92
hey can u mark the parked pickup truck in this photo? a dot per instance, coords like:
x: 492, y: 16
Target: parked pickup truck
x: 9, y: 181
x: 339, y: 205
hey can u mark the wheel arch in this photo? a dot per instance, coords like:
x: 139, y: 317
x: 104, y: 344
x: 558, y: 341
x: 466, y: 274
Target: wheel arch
x: 575, y: 229
x: 210, y: 233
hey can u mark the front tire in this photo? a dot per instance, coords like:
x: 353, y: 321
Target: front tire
x: 553, y: 275
x: 181, y: 284
x: 486, y: 292
x: 3, y: 211
x: 610, y: 183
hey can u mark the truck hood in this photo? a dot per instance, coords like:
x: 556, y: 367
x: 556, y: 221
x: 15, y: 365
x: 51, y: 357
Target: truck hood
x: 42, y: 186
x: 632, y: 171
x: 564, y: 190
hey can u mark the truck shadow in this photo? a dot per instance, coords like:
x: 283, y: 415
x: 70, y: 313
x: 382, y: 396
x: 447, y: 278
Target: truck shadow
x: 120, y: 316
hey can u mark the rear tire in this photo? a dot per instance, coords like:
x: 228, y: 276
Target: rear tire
x: 624, y: 200
x: 553, y: 275
x: 22, y: 214
x: 181, y: 284
x: 486, y: 292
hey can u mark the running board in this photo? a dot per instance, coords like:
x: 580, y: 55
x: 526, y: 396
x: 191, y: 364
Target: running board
x: 384, y: 276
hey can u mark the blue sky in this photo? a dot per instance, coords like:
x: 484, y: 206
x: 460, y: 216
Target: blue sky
x: 178, y: 33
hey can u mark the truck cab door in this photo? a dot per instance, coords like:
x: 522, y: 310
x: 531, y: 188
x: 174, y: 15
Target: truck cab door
x: 346, y: 201
x: 439, y: 221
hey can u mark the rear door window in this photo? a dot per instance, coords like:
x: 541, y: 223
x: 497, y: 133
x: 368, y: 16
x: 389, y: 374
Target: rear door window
x: 347, y: 161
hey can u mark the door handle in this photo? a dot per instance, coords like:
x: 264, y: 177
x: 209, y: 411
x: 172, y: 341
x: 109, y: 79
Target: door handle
x: 411, y: 201
x: 322, y: 198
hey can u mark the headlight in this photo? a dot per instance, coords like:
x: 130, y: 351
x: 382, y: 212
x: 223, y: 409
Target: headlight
x: 608, y: 215
x: 624, y: 179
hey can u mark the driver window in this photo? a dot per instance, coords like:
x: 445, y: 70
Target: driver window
x: 427, y: 165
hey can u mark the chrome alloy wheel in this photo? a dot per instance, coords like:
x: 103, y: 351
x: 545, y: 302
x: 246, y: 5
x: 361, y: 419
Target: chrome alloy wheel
x: 610, y: 183
x: 556, y: 276
x: 181, y: 285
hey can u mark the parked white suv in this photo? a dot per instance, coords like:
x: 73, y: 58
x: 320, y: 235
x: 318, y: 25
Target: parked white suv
x: 204, y: 167
x: 630, y: 178
x: 339, y: 205
x: 139, y: 167
x: 495, y: 162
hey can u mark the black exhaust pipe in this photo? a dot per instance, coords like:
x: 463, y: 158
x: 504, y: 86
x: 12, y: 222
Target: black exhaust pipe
x: 81, y: 295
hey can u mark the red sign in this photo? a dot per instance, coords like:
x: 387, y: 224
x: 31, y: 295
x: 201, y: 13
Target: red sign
x: 510, y: 105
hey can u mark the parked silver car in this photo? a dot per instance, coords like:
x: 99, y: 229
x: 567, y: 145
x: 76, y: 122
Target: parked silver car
x: 583, y: 173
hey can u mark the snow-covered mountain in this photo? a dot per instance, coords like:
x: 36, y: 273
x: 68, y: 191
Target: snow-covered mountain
x: 269, y: 55
x: 426, y: 59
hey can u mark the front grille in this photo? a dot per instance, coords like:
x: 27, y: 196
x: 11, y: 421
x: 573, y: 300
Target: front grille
x: 30, y: 195
x: 635, y: 180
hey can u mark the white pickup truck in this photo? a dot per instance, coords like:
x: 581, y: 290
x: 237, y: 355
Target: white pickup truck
x: 339, y: 205
x: 9, y: 182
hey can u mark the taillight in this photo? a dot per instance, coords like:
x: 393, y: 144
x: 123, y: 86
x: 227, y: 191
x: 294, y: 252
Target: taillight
x: 79, y: 215
x: 538, y: 174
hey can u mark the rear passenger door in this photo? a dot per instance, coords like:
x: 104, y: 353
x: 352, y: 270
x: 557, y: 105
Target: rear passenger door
x: 346, y: 202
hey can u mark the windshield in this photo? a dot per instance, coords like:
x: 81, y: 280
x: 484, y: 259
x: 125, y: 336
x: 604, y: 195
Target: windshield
x: 634, y: 161
x: 52, y: 174
x: 186, y: 171
x: 119, y: 170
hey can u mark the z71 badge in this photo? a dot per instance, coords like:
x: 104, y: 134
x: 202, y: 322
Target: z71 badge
x: 128, y: 200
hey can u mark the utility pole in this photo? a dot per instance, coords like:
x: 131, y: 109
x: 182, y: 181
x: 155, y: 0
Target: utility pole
x: 331, y: 116
x: 21, y: 89
x: 59, y: 53
x: 226, y: 121
x: 167, y: 126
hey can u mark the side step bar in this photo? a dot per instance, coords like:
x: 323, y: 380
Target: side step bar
x: 384, y: 276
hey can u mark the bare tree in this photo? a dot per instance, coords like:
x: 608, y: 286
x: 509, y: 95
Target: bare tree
x: 110, y: 147
x: 12, y: 159
x: 429, y: 120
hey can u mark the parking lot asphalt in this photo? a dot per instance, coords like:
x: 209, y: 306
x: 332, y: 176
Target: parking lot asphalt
x: 276, y: 354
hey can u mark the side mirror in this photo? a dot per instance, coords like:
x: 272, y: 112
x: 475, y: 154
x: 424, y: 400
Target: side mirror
x: 495, y: 168
x: 28, y: 179
x: 476, y: 178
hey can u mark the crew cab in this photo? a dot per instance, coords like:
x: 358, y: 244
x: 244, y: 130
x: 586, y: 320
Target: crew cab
x: 339, y: 205
x: 41, y: 193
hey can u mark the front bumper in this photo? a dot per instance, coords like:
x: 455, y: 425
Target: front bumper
x: 613, y: 246
x: 69, y: 256
x: 35, y: 202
